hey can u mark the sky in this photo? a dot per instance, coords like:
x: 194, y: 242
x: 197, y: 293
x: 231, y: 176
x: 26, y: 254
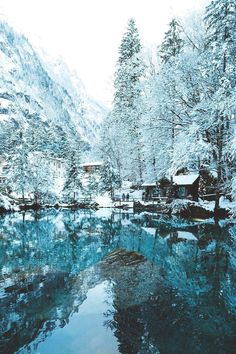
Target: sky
x: 86, y: 34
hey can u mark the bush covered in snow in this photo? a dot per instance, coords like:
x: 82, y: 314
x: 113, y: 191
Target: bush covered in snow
x: 6, y: 204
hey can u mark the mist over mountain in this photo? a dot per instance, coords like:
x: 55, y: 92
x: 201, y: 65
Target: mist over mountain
x: 36, y: 92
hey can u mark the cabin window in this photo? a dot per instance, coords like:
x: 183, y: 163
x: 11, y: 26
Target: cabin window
x: 155, y: 192
x: 182, y: 191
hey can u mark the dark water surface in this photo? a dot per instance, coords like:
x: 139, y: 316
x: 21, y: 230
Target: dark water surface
x: 105, y: 283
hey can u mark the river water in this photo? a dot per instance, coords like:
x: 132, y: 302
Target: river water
x: 112, y: 282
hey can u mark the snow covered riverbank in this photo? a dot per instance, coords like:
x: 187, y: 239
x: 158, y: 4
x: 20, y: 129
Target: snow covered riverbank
x: 180, y: 207
x: 7, y: 204
x: 189, y: 209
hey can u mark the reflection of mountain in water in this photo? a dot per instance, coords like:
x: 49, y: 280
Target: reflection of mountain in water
x: 172, y: 292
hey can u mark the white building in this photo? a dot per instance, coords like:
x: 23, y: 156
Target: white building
x: 55, y: 165
x: 3, y: 165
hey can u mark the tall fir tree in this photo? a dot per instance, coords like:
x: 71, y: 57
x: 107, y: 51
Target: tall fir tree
x: 163, y: 105
x: 73, y: 181
x: 172, y: 44
x: 127, y: 109
x: 18, y: 166
x: 220, y: 56
x: 91, y: 185
x: 109, y: 179
x: 129, y: 69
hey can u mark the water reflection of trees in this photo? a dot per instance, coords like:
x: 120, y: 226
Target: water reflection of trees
x: 184, y: 294
x: 197, y: 319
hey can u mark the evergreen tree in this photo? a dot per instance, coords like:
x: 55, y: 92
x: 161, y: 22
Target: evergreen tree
x: 165, y: 111
x: 91, y: 187
x: 127, y: 109
x: 109, y: 179
x: 220, y: 22
x: 170, y: 49
x: 110, y: 150
x: 172, y: 44
x: 220, y: 72
x: 129, y: 70
x: 41, y: 180
x: 18, y: 169
x: 73, y: 183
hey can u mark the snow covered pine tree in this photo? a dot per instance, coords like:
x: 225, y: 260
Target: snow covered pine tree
x: 127, y: 110
x: 220, y: 21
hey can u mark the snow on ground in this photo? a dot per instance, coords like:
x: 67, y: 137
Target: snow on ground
x: 126, y: 188
x: 181, y: 204
x: 150, y: 202
x: 226, y: 203
x: 136, y: 194
x: 4, y: 117
x: 207, y: 205
x: 4, y: 103
x: 104, y: 201
x: 133, y: 194
x: 126, y: 185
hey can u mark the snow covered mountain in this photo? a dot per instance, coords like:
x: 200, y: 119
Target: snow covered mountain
x: 92, y: 111
x: 34, y: 91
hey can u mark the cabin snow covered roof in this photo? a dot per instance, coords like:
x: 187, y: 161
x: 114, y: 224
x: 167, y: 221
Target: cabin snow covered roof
x: 149, y: 184
x: 94, y: 163
x: 185, y: 180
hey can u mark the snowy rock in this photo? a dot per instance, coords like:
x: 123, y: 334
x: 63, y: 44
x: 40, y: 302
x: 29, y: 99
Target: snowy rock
x: 189, y: 208
x: 7, y: 204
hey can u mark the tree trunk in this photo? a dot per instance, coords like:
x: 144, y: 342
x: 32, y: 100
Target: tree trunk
x: 23, y: 196
x: 220, y: 172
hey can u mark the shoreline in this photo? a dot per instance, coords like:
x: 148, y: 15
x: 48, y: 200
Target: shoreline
x: 179, y: 207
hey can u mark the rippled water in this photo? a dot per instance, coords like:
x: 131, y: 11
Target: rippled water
x: 104, y: 283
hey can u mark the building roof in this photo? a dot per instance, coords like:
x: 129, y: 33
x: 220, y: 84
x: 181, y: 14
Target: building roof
x: 94, y: 163
x: 185, y: 180
x: 149, y: 184
x: 45, y: 156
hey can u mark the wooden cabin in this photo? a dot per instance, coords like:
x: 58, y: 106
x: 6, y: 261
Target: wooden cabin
x: 91, y: 167
x: 165, y: 187
x: 186, y: 186
x: 150, y: 190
